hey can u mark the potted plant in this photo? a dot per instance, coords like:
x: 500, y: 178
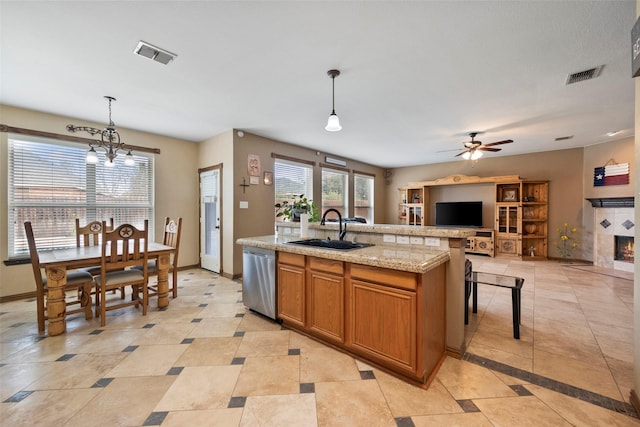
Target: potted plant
x: 290, y: 210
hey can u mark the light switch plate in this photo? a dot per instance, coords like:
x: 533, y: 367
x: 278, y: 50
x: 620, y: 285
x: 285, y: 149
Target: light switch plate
x: 432, y: 241
x: 244, y: 204
x: 389, y: 238
x: 416, y: 240
x: 402, y: 240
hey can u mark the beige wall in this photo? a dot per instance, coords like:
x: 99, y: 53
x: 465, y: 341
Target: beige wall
x: 176, y: 188
x: 636, y: 266
x: 258, y: 219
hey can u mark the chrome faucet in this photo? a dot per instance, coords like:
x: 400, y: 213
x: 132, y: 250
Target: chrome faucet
x: 341, y: 232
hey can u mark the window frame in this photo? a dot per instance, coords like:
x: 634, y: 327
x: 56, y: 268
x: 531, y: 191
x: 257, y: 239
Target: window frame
x: 371, y: 206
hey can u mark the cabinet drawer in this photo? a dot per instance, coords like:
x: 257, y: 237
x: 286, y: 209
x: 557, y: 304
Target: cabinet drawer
x: 291, y: 259
x: 328, y: 265
x: 384, y: 276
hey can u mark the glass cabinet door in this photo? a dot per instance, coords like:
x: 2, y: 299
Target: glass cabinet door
x: 507, y: 218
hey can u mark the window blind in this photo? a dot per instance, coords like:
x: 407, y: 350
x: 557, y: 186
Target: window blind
x: 292, y: 178
x: 363, y: 197
x: 51, y: 185
x: 335, y: 191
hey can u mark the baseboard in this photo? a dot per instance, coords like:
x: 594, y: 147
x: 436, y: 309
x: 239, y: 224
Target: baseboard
x: 634, y: 400
x: 18, y: 297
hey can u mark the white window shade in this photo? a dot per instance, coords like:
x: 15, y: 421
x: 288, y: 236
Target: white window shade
x: 335, y: 191
x: 363, y: 197
x: 51, y: 185
x: 292, y: 178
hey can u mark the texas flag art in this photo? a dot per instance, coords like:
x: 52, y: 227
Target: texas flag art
x: 611, y: 175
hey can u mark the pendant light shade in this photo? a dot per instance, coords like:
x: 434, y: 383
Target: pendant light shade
x: 333, y: 124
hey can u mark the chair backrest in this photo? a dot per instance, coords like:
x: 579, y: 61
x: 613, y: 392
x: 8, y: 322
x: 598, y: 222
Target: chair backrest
x: 35, y: 258
x: 124, y: 246
x: 172, y: 232
x: 89, y: 235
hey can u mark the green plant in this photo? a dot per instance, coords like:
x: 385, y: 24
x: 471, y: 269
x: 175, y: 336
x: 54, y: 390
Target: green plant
x: 291, y: 208
x: 565, y: 244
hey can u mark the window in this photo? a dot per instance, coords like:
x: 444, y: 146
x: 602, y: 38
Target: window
x: 291, y: 178
x: 51, y: 185
x: 335, y: 191
x: 363, y: 197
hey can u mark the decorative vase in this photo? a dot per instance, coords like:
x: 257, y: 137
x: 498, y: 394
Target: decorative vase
x: 530, y: 228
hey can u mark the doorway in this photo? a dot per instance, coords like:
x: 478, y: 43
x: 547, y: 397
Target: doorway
x: 210, y: 224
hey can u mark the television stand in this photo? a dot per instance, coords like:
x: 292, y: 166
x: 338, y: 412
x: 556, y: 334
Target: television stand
x: 481, y: 243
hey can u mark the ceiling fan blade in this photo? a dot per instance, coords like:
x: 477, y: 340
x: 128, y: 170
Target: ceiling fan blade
x: 460, y: 154
x: 506, y: 141
x: 485, y: 148
x: 453, y: 149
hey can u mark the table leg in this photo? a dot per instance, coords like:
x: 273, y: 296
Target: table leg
x: 163, y: 280
x: 515, y: 304
x: 56, y: 306
x: 475, y: 297
x: 467, y: 294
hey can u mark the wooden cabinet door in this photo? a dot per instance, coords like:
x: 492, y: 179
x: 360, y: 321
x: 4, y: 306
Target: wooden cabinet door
x: 383, y: 323
x: 326, y: 305
x: 291, y: 295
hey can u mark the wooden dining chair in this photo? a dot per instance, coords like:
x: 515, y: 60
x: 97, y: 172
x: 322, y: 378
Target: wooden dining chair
x: 90, y: 233
x: 125, y: 246
x: 171, y: 237
x: 81, y: 282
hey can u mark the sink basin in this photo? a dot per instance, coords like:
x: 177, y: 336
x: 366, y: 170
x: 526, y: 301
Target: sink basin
x: 339, y: 245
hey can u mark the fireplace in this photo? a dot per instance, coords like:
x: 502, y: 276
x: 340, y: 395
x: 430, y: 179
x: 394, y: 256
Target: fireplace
x: 623, y: 249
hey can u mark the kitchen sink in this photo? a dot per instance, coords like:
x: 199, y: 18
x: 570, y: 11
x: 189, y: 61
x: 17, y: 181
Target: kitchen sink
x: 339, y: 245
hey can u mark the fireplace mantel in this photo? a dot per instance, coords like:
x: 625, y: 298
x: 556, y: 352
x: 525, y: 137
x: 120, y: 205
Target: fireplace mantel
x: 612, y: 202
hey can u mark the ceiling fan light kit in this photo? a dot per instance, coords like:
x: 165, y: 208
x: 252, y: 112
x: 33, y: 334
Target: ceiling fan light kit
x: 333, y: 124
x: 473, y: 149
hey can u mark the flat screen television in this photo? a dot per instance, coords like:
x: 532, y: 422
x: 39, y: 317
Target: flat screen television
x: 459, y: 214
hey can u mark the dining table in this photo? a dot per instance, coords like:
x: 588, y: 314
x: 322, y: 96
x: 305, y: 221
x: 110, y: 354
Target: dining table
x: 58, y: 261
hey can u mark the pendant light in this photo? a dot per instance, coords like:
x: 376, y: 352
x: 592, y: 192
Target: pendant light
x: 333, y: 124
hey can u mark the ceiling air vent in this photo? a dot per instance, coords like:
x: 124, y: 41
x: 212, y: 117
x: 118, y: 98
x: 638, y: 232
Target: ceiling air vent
x: 153, y: 52
x: 581, y: 76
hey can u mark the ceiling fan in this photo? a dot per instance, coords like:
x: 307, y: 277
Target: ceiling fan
x: 473, y: 149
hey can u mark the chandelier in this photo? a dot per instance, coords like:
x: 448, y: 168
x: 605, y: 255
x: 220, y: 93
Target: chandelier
x: 109, y: 142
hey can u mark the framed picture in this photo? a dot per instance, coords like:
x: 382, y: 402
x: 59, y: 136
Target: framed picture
x: 253, y: 165
x: 254, y: 180
x: 268, y: 178
x: 510, y: 194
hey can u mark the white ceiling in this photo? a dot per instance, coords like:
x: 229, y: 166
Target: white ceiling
x: 416, y: 77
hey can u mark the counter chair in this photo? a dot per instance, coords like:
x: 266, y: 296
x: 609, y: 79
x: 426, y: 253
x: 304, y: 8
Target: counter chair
x: 124, y: 247
x: 171, y: 237
x: 81, y: 282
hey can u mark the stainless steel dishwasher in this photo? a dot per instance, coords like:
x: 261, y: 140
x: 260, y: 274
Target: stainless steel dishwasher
x: 259, y: 280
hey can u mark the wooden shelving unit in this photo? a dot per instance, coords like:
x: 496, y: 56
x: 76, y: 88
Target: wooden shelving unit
x: 412, y: 205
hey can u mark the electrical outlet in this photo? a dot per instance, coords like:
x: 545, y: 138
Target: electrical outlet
x: 389, y: 238
x: 432, y: 241
x: 416, y: 240
x: 402, y: 240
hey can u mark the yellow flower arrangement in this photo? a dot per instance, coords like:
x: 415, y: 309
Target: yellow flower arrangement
x: 566, y: 245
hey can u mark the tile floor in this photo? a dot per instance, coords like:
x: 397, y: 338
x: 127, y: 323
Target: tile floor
x: 207, y: 361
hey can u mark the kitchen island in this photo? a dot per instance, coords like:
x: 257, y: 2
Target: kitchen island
x: 388, y: 304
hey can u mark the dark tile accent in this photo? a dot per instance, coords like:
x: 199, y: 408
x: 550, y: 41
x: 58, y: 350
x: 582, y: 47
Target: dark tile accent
x: 96, y: 332
x: 155, y: 418
x: 130, y: 348
x: 187, y: 341
x: 149, y: 326
x: 367, y: 375
x: 237, y: 402
x: 294, y: 352
x: 605, y: 223
x: 196, y: 320
x: 17, y: 325
x: 307, y: 388
x: 467, y: 405
x: 208, y: 293
x: 239, y: 315
x: 102, y: 382
x: 521, y: 390
x: 3, y: 365
x: 238, y: 361
x: 203, y: 305
x: 17, y: 397
x: 628, y: 224
x: 557, y: 386
x: 176, y: 370
x: 239, y: 334
x: 65, y: 357
x: 404, y: 422
x: 3, y: 312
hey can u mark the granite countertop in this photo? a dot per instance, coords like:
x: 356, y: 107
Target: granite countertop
x: 396, y: 257
x: 405, y: 230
